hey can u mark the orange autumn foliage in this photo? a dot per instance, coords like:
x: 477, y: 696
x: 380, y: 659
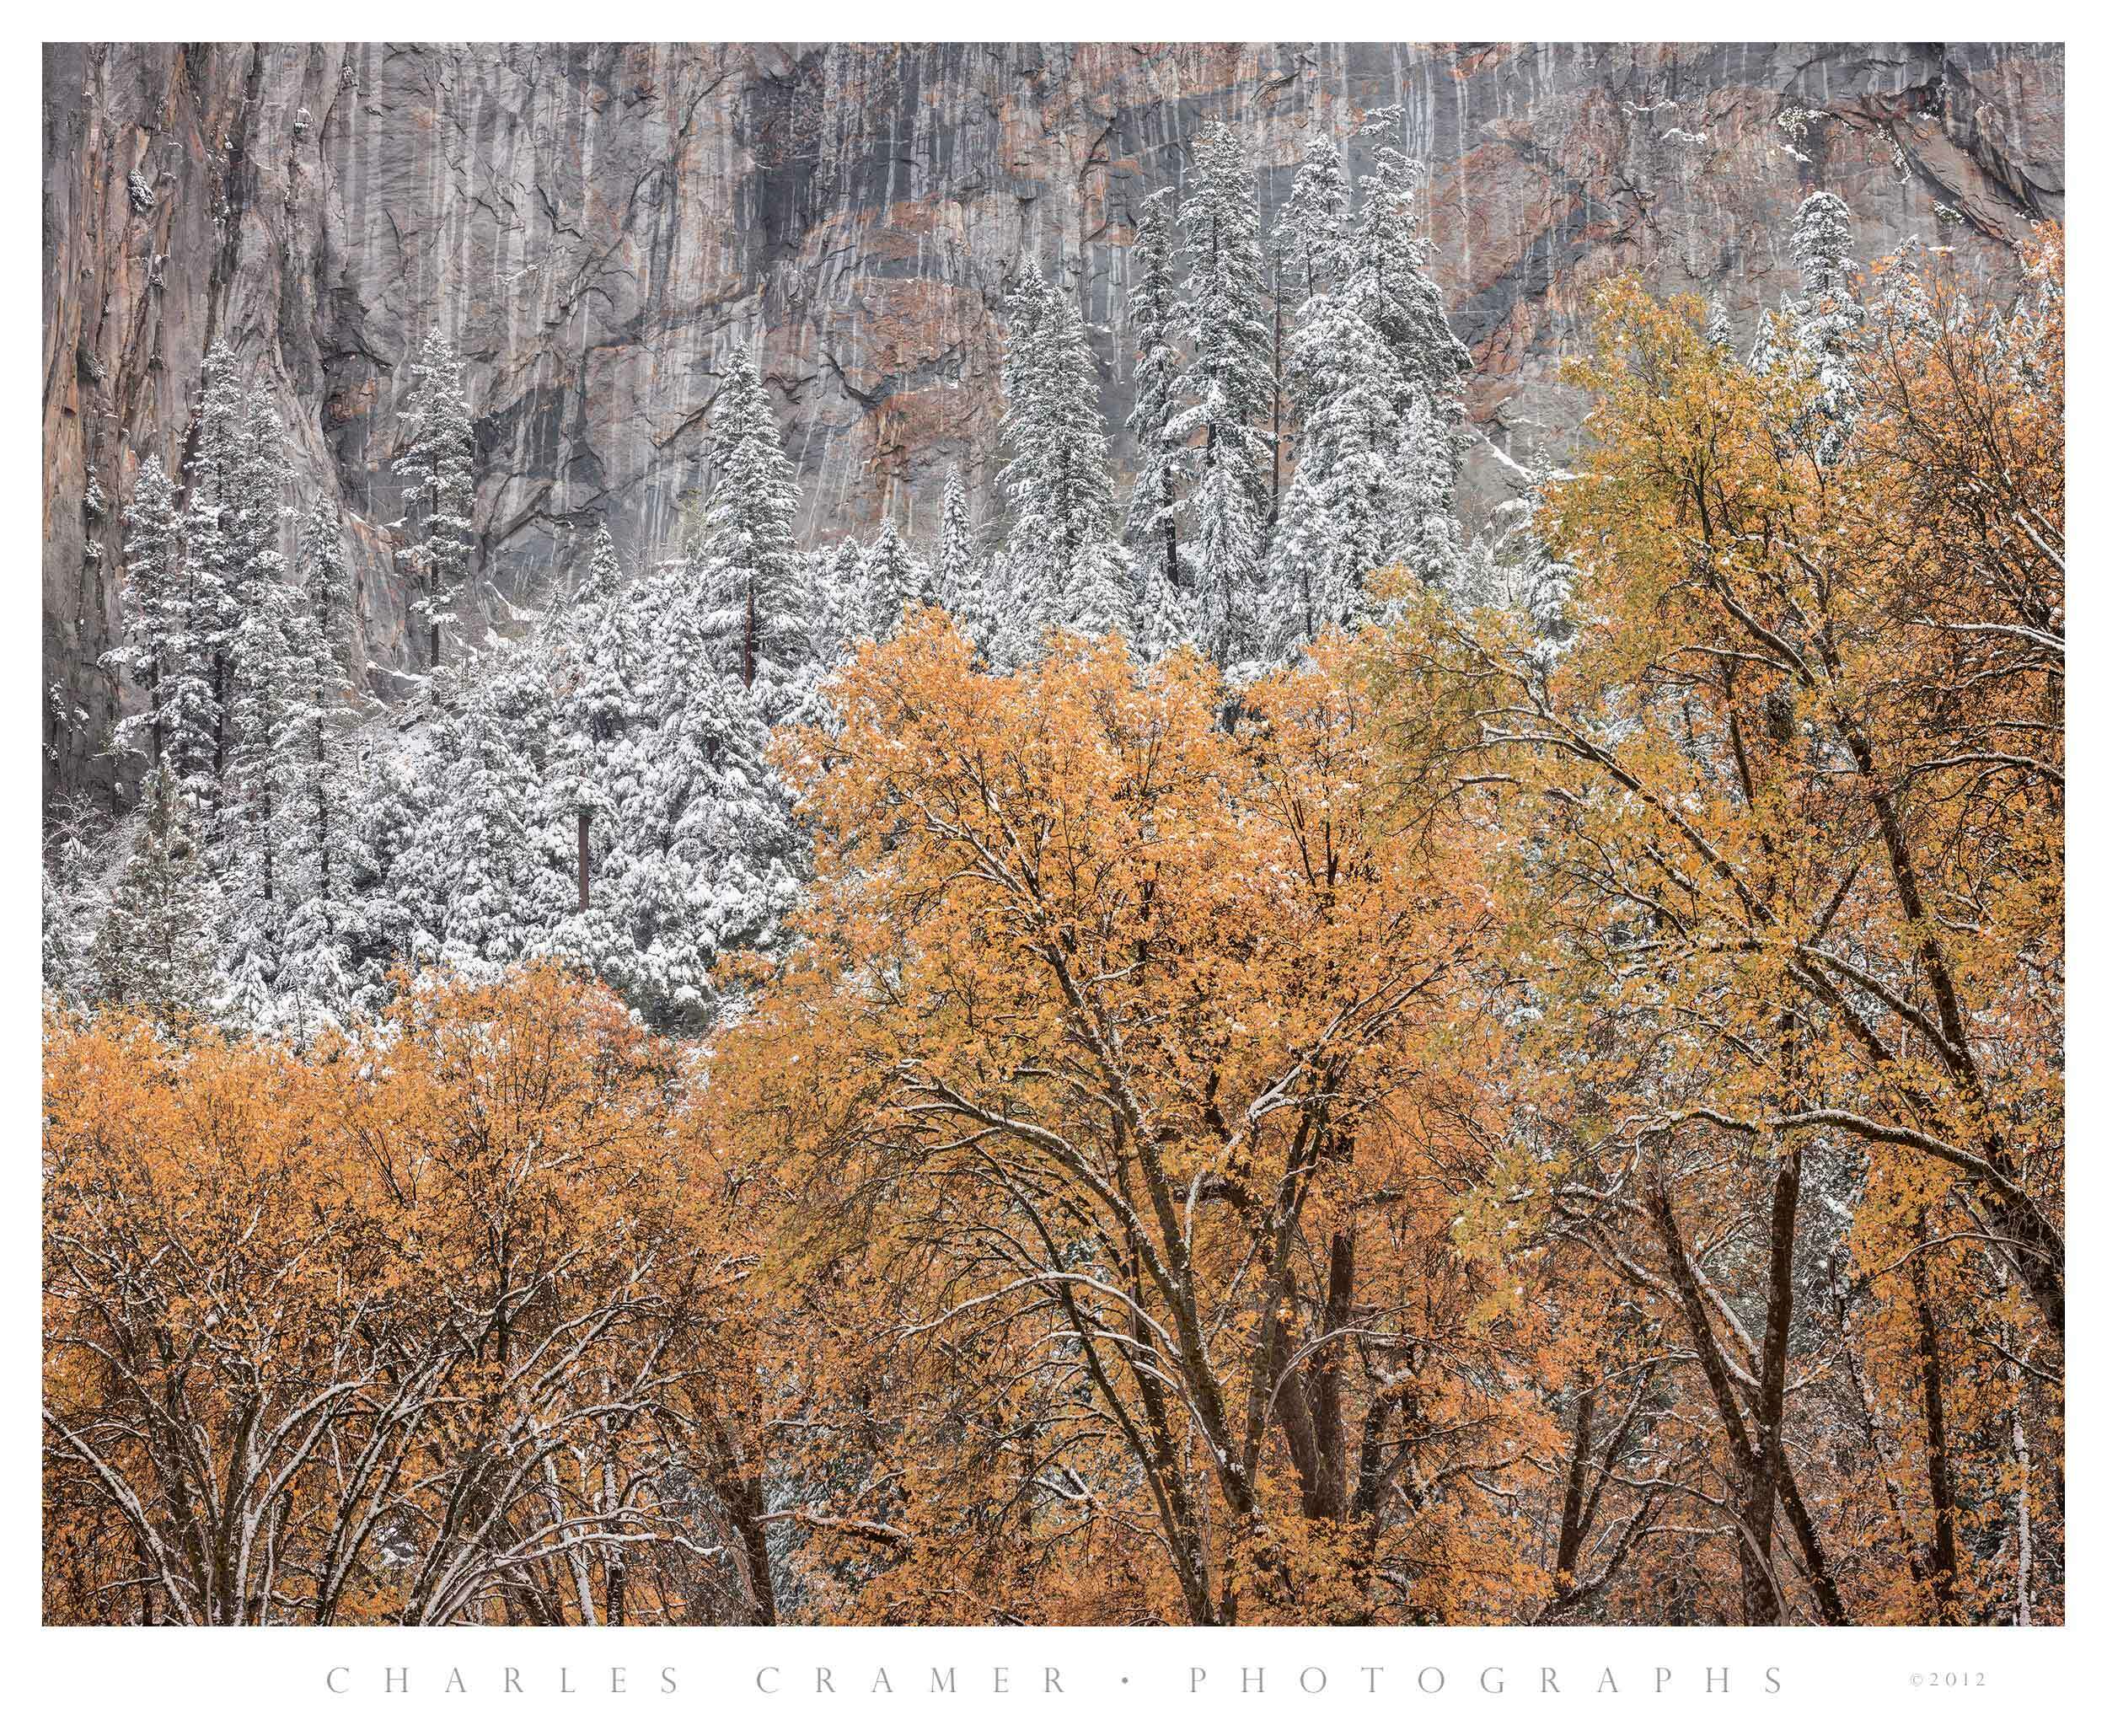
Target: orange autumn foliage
x: 1128, y: 1088
x: 408, y: 1328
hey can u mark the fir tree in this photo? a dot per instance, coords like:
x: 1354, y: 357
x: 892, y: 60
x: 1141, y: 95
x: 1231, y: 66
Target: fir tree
x: 211, y: 565
x: 893, y: 580
x: 1061, y: 565
x: 75, y: 899
x: 1391, y: 286
x: 1827, y: 317
x: 837, y: 576
x: 1376, y: 377
x: 1315, y: 230
x: 477, y: 882
x: 958, y: 575
x: 1227, y: 395
x: 593, y: 770
x: 317, y: 978
x: 437, y: 461
x: 157, y: 649
x: 756, y: 614
x: 1160, y: 463
x: 256, y: 854
x: 715, y: 863
x: 157, y: 946
x: 1347, y: 512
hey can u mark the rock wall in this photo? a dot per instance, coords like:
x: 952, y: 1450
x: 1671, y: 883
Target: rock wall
x: 599, y: 224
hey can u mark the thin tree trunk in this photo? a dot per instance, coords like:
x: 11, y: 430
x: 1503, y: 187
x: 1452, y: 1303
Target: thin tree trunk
x: 1569, y: 1527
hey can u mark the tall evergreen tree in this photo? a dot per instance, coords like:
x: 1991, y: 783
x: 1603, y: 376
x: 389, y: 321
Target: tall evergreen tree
x: 159, y: 649
x: 1062, y: 566
x: 1315, y: 230
x: 1162, y: 464
x: 958, y: 576
x: 1827, y: 317
x: 756, y: 615
x: 316, y: 760
x: 593, y: 769
x: 438, y: 464
x: 1227, y: 396
x: 477, y: 883
x: 258, y: 854
x: 157, y: 946
x: 893, y: 580
x: 715, y: 857
x: 1391, y: 284
x: 837, y: 576
x: 211, y: 563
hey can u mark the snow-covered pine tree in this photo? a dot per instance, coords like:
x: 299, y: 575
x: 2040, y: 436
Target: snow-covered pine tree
x: 258, y: 855
x: 1226, y: 395
x: 1346, y: 512
x: 836, y: 575
x: 1162, y: 617
x: 437, y: 460
x: 592, y: 770
x: 157, y: 648
x: 317, y: 977
x: 1314, y: 232
x: 756, y: 614
x: 477, y: 884
x: 1393, y: 292
x: 210, y: 561
x: 1718, y: 330
x: 958, y: 575
x: 893, y: 580
x: 1827, y: 317
x: 715, y: 857
x: 1061, y: 565
x: 157, y: 946
x: 75, y: 896
x: 1391, y: 284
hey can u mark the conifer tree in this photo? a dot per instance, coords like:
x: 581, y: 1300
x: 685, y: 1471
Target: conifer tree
x: 477, y: 882
x: 210, y: 563
x: 837, y: 576
x: 157, y: 946
x: 157, y: 649
x: 715, y: 860
x: 1160, y: 463
x: 1391, y: 284
x: 74, y: 898
x: 438, y: 464
x: 893, y: 580
x: 756, y: 616
x: 958, y: 576
x: 257, y: 854
x: 593, y: 770
x: 1315, y: 230
x: 1061, y: 565
x: 318, y: 775
x: 1826, y: 317
x: 1227, y: 394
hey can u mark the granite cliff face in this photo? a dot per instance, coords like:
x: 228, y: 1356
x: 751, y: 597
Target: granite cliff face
x: 597, y: 225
